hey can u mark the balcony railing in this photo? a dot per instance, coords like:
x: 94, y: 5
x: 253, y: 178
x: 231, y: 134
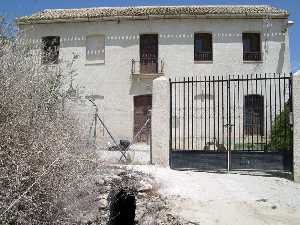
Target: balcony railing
x: 252, y: 56
x: 147, y: 67
x: 203, y: 56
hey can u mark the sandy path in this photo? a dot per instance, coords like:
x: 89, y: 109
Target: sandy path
x: 228, y: 199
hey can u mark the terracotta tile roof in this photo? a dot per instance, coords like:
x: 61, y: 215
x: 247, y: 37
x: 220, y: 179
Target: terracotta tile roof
x: 64, y: 15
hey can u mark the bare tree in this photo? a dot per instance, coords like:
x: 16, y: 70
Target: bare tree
x: 43, y: 154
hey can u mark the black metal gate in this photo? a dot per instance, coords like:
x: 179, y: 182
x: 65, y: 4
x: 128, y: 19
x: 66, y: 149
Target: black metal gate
x: 231, y: 123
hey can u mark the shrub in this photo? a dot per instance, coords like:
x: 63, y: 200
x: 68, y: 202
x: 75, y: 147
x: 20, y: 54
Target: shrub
x: 281, y: 133
x: 43, y: 154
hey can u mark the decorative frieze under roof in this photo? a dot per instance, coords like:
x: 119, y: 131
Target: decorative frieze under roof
x: 142, y: 12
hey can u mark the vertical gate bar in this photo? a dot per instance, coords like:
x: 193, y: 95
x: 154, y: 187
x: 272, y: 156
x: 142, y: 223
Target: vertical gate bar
x: 201, y: 112
x: 184, y: 113
x: 223, y: 111
x: 175, y: 110
x: 263, y: 123
x: 284, y: 103
x: 170, y: 143
x: 246, y: 125
x: 258, y: 119
x: 209, y: 130
x: 266, y: 111
x: 188, y: 112
x: 291, y: 115
x: 280, y: 99
x: 252, y: 104
x: 239, y: 113
x: 229, y: 125
x: 243, y: 118
x: 252, y: 117
x: 270, y: 103
x: 196, y: 112
x: 179, y: 115
x: 218, y: 141
x: 204, y: 110
x: 192, y: 113
x: 275, y: 108
x: 234, y: 94
x: 214, y: 109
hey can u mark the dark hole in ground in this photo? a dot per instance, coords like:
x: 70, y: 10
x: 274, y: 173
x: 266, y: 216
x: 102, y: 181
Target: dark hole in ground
x: 122, y: 208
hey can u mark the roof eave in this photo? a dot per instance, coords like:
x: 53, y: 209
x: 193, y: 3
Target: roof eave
x: 25, y: 21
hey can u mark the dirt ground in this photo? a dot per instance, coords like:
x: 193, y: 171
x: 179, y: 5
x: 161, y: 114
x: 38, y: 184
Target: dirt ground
x: 228, y: 199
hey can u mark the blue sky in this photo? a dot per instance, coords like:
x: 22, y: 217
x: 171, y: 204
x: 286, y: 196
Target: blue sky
x: 14, y: 8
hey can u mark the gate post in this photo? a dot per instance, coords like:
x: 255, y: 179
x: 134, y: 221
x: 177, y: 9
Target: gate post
x: 160, y: 121
x: 296, y: 125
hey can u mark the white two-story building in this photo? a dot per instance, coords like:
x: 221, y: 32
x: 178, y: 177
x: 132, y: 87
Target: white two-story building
x: 121, y: 50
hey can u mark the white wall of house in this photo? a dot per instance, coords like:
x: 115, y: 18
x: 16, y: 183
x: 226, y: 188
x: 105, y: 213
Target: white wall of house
x: 112, y: 79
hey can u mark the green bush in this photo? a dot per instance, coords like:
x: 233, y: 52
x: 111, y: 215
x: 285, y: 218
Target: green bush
x: 281, y: 133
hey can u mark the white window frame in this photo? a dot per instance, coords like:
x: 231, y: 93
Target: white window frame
x: 95, y: 61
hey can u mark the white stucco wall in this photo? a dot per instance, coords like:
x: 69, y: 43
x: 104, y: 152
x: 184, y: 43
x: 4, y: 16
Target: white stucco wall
x: 296, y: 126
x: 176, y: 47
x: 160, y: 121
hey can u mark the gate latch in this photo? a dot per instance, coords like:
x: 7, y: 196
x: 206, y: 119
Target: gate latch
x: 229, y: 125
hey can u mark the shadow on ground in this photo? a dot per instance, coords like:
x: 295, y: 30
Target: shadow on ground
x: 280, y: 174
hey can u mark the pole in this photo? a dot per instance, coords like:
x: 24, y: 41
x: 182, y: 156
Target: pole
x: 110, y: 135
x: 95, y: 125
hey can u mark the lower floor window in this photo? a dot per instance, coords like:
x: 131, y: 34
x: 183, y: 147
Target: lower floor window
x: 254, y: 115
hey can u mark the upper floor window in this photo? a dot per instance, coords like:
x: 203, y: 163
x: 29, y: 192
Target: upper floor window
x: 254, y: 115
x: 203, y: 47
x: 95, y: 48
x: 50, y: 49
x: 251, y: 47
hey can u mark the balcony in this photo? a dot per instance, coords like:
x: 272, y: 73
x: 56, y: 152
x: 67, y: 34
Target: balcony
x: 252, y: 56
x: 147, y: 68
x: 203, y: 56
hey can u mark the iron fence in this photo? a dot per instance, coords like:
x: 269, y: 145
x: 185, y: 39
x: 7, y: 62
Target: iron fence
x: 249, y: 113
x: 147, y: 66
x: 252, y: 56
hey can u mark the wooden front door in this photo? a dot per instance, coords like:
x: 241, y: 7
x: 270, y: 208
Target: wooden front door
x: 142, y: 105
x: 149, y: 53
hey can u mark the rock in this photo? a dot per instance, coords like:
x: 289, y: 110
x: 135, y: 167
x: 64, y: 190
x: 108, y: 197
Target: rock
x: 142, y: 195
x: 262, y: 200
x: 99, y: 180
x: 274, y: 207
x: 122, y: 173
x: 104, y: 196
x: 88, y: 218
x: 103, y: 203
x: 144, y: 186
x: 115, y: 177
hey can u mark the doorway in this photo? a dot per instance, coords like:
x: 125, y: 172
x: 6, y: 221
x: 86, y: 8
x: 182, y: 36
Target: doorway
x: 142, y: 107
x: 149, y: 53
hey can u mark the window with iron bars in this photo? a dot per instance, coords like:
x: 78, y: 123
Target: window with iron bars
x: 254, y: 115
x: 203, y: 47
x: 251, y: 47
x: 50, y: 49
